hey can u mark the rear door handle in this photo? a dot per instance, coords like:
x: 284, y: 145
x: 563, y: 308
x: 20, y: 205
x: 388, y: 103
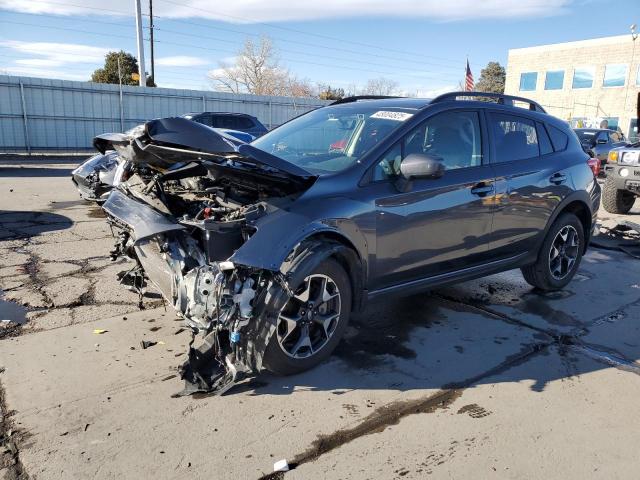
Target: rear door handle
x: 558, y: 178
x: 482, y: 189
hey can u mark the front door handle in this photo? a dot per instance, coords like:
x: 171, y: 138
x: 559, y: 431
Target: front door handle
x: 482, y: 189
x: 558, y: 178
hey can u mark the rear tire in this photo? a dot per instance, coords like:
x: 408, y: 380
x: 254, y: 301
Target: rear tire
x: 560, y: 255
x: 614, y: 200
x: 281, y: 356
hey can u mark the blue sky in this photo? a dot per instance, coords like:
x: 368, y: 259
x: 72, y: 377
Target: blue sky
x: 421, y: 44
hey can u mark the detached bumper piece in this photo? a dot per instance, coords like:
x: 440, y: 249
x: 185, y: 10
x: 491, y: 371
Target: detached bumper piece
x: 205, y: 372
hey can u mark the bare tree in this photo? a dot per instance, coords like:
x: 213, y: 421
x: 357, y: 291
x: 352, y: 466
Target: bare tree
x: 257, y: 70
x: 380, y: 86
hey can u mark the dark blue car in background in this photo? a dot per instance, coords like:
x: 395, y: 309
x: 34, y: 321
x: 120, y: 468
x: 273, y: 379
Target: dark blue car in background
x: 241, y: 122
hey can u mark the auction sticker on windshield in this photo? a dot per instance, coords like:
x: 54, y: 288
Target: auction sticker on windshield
x: 398, y: 116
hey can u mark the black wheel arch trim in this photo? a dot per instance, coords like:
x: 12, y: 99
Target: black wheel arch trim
x: 580, y: 197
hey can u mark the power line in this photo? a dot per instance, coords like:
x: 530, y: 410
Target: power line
x: 88, y: 32
x: 307, y: 44
x: 58, y: 17
x: 345, y: 50
x: 302, y: 32
x: 297, y: 52
x: 307, y: 62
x: 112, y: 35
x: 267, y: 24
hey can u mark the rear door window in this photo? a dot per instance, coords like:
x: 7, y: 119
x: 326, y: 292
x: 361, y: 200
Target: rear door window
x: 515, y: 138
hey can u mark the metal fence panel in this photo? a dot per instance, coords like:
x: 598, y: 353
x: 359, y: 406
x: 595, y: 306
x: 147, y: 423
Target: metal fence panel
x: 41, y: 114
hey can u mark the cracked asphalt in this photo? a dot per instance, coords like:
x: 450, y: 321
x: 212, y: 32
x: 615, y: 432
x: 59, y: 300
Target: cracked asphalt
x: 488, y: 378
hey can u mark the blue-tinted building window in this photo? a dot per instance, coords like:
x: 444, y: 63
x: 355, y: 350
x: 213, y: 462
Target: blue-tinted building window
x: 528, y: 81
x: 554, y: 80
x: 614, y: 75
x: 583, y: 77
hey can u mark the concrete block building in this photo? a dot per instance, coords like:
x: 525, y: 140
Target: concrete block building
x: 585, y: 83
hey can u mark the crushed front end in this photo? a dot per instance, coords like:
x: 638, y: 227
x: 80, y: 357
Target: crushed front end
x: 181, y: 222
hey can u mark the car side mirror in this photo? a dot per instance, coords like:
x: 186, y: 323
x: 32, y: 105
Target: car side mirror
x: 417, y: 165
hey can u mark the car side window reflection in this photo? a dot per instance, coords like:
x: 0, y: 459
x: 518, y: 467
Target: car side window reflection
x: 452, y: 137
x: 389, y: 165
x: 515, y: 137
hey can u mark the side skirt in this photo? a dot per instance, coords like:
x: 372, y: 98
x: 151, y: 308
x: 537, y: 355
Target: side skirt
x: 457, y: 276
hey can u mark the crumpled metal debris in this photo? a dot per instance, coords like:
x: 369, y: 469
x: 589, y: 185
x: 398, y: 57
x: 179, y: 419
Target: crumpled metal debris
x: 624, y: 237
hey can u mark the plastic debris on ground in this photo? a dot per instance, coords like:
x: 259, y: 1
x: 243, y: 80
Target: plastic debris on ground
x: 281, y: 466
x: 624, y: 237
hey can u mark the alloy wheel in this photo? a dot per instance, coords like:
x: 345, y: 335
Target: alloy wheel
x: 564, y: 252
x: 310, y: 317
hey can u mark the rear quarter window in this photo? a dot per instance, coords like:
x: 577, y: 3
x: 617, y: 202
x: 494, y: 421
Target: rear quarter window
x: 543, y: 138
x: 559, y: 139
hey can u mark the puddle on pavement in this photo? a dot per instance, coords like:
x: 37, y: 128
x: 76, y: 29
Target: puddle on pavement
x: 11, y: 311
x: 536, y: 304
x: 384, y: 329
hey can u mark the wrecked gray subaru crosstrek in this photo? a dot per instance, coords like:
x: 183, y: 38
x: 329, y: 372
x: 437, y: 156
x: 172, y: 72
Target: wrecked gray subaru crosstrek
x: 266, y: 248
x: 222, y: 230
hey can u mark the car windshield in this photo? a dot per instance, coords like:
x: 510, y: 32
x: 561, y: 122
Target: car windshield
x: 332, y: 139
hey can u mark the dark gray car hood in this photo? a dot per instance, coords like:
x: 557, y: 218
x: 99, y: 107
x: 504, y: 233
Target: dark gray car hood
x: 163, y: 143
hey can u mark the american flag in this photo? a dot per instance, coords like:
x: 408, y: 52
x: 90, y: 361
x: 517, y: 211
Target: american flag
x: 468, y: 79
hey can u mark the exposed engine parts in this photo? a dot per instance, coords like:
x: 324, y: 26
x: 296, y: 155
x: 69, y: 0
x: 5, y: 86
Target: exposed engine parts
x: 181, y: 224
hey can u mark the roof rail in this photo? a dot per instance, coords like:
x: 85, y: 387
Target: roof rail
x: 362, y: 97
x: 502, y: 99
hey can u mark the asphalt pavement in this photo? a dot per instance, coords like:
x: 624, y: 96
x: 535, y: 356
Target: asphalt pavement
x: 485, y: 379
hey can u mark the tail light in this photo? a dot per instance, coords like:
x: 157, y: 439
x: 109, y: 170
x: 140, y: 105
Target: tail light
x: 594, y: 165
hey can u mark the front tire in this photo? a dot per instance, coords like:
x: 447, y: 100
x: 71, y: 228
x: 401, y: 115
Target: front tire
x: 614, y: 200
x: 560, y: 255
x: 312, y: 322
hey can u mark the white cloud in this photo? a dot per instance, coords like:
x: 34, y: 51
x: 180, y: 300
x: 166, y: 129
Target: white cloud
x: 60, y: 52
x: 44, y: 72
x: 39, y: 62
x: 54, y: 60
x: 181, y: 61
x: 249, y: 11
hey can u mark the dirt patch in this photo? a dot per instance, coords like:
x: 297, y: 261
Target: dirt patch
x: 474, y: 411
x: 377, y: 421
x: 10, y: 439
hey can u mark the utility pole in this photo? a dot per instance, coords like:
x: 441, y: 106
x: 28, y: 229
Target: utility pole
x: 121, y: 106
x: 153, y: 69
x: 634, y: 37
x: 143, y: 77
